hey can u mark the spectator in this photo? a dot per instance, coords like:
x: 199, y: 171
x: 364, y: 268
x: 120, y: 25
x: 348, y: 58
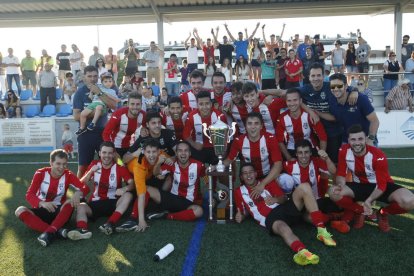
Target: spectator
x: 67, y: 141
x: 240, y: 43
x: 163, y: 98
x: 256, y: 54
x: 149, y: 101
x: 152, y: 60
x: 3, y: 113
x: 131, y: 56
x: 185, y: 85
x: 399, y: 97
x: 225, y: 49
x: 406, y: 49
x: 273, y: 45
x: 126, y: 87
x: 318, y: 50
x: 293, y: 70
x: 208, y: 48
x: 100, y: 65
x: 391, y: 66
x: 3, y: 83
x: 364, y: 89
x: 62, y: 59
x: 12, y: 65
x: 47, y: 82
x: 307, y: 63
x: 76, y: 58
x: 69, y: 88
x: 301, y: 52
x: 227, y: 71
x: 45, y: 58
x: 28, y: 67
x: 243, y: 69
x: 268, y: 72
x: 137, y: 82
x: 192, y: 53
x: 350, y: 61
x: 79, y: 76
x: 95, y: 57
x: 338, y: 58
x: 409, y: 67
x: 111, y: 62
x: 171, y: 74
x: 13, y: 105
x: 280, y: 70
x: 209, y: 71
x: 363, y: 53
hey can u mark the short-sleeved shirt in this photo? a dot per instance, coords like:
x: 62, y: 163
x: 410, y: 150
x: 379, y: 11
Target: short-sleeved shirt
x: 28, y: 64
x: 192, y: 55
x: 293, y: 67
x: 131, y: 58
x: 348, y: 115
x: 208, y: 52
x: 11, y: 70
x: 226, y: 51
x: 64, y: 63
x: 153, y: 56
x: 362, y: 53
x: 81, y: 100
x: 270, y: 113
x: 241, y: 48
x: 268, y: 69
x: 167, y: 142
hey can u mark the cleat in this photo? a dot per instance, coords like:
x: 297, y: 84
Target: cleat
x: 128, y: 225
x: 383, y: 223
x: 158, y: 215
x: 46, y: 239
x: 305, y: 257
x: 81, y: 131
x: 325, y: 237
x: 79, y: 234
x: 62, y: 233
x: 359, y: 220
x: 341, y: 226
x: 107, y: 228
x: 91, y: 126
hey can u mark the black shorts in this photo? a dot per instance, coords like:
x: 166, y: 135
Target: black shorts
x: 255, y: 63
x: 155, y: 182
x: 45, y: 215
x: 173, y: 203
x: 206, y: 155
x: 326, y: 205
x: 88, y: 144
x: 102, y: 208
x: 268, y: 84
x: 121, y: 151
x: 292, y: 84
x: 332, y: 147
x: 363, y: 191
x: 287, y: 212
x: 363, y: 67
x: 129, y: 71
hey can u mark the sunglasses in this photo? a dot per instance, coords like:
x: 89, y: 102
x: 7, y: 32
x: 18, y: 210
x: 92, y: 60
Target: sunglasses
x: 393, y: 55
x: 361, y: 83
x: 339, y: 86
x: 268, y: 55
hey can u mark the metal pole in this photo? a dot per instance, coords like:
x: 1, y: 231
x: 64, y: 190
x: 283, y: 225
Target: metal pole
x: 160, y: 33
x: 231, y: 192
x: 210, y: 194
x: 397, y: 30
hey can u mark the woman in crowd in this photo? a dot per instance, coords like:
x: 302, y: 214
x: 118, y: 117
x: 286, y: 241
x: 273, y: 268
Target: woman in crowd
x: 256, y: 53
x: 100, y: 65
x: 243, y: 69
x: 13, y: 105
x: 227, y: 70
x: 338, y: 57
x: 3, y: 113
x: 391, y: 66
x: 209, y: 71
x: 350, y: 62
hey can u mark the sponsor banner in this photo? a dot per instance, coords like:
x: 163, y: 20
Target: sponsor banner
x: 396, y: 129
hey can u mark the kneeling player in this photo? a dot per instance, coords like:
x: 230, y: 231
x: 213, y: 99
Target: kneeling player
x: 108, y: 198
x: 179, y: 203
x: 272, y: 211
x: 370, y: 181
x: 47, y: 196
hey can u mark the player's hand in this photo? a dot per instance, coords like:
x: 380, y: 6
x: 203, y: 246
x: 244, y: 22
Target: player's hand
x: 322, y: 154
x: 169, y: 161
x: 367, y: 208
x: 120, y: 191
x: 144, y: 132
x: 198, y: 146
x: 75, y: 201
x: 256, y: 191
x: 336, y: 189
x: 314, y: 117
x: 353, y: 97
x: 269, y: 200
x: 137, y: 153
x: 142, y: 226
x: 49, y: 206
x: 239, y: 216
x: 161, y: 177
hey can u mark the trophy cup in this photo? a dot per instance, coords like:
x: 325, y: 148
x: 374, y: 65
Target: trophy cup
x: 219, y: 135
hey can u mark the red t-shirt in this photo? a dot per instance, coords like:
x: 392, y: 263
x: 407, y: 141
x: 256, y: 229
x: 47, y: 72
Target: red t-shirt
x: 293, y: 67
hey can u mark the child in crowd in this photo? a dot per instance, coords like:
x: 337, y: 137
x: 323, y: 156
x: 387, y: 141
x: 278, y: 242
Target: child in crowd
x: 326, y: 76
x: 67, y: 142
x: 227, y: 71
x: 79, y: 81
x: 185, y: 85
x: 149, y: 101
x: 162, y: 101
x: 69, y: 88
x: 126, y: 87
x: 97, y: 107
x: 137, y: 82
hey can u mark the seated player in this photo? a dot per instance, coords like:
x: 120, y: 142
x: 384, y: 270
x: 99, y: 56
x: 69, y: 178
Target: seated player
x: 97, y: 108
x: 371, y: 181
x: 47, y: 196
x: 295, y: 124
x: 109, y: 198
x: 181, y: 201
x: 271, y: 210
x: 177, y: 115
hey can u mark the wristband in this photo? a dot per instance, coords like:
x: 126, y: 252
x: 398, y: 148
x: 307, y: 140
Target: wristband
x: 371, y: 137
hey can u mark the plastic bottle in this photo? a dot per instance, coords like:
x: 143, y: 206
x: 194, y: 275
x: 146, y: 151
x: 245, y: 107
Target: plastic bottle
x: 163, y: 252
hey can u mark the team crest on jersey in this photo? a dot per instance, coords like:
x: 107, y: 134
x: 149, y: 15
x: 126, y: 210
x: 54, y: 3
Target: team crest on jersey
x: 323, y: 95
x: 305, y: 125
x: 61, y: 186
x: 192, y: 176
x: 251, y: 204
x: 311, y: 173
x: 112, y: 177
x: 263, y: 150
x: 368, y: 167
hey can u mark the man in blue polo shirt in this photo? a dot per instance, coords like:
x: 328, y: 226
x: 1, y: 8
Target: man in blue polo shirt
x: 89, y: 142
x: 240, y: 44
x: 347, y: 115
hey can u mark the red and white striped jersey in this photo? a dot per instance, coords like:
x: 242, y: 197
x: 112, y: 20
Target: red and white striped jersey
x: 222, y: 100
x: 175, y: 125
x: 309, y: 174
x: 120, y: 127
x: 186, y: 181
x: 299, y: 128
x: 257, y: 208
x: 45, y: 187
x: 107, y: 181
x: 269, y: 113
x: 262, y: 153
x: 370, y: 168
x: 189, y: 100
x: 239, y: 115
x: 193, y: 127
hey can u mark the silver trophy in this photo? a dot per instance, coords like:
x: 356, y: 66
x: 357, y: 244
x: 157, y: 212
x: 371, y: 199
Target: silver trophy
x: 219, y: 136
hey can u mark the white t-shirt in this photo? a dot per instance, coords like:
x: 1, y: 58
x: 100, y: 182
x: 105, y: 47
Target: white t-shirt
x: 11, y: 69
x: 76, y: 65
x: 192, y: 55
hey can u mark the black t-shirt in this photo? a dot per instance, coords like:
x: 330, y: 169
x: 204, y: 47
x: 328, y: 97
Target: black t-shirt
x: 167, y: 142
x: 226, y: 51
x: 64, y: 63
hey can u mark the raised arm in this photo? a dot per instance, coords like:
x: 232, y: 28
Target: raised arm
x: 263, y: 32
x: 200, y: 42
x: 255, y: 30
x: 283, y: 30
x: 228, y: 32
x: 186, y: 41
x: 216, y: 42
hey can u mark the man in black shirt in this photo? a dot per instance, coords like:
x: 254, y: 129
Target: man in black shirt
x: 225, y: 49
x: 62, y: 59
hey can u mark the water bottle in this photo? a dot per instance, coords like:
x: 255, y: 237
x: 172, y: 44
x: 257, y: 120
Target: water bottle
x: 163, y: 252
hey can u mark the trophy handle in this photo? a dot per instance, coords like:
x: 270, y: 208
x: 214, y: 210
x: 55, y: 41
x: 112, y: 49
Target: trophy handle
x: 233, y: 131
x: 205, y: 129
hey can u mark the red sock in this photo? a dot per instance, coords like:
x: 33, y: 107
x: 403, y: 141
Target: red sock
x: 60, y: 220
x: 33, y: 222
x: 348, y: 203
x: 134, y: 214
x: 82, y: 224
x: 317, y: 218
x: 297, y: 246
x: 323, y: 184
x: 186, y: 215
x: 115, y: 217
x: 348, y: 215
x: 393, y: 209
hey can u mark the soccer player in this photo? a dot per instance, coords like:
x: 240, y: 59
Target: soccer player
x: 188, y: 98
x: 259, y: 148
x: 166, y: 138
x: 238, y: 108
x: 181, y: 201
x: 269, y: 112
x: 109, y: 198
x: 47, y: 196
x: 220, y: 93
x: 124, y: 122
x: 201, y: 148
x: 176, y: 117
x: 371, y: 181
x: 273, y: 211
x: 296, y: 124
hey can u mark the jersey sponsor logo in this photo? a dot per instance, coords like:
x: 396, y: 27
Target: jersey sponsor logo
x: 352, y: 109
x: 350, y: 160
x: 112, y: 177
x: 305, y: 125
